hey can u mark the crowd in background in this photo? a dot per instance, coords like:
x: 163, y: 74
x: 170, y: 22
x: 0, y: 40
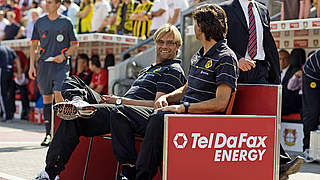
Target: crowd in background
x: 298, y: 9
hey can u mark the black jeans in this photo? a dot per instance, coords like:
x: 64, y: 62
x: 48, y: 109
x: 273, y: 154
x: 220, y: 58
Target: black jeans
x: 6, y: 96
x: 126, y: 123
x: 310, y: 106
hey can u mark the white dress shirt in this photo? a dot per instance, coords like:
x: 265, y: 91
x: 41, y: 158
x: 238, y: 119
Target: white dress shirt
x: 260, y: 50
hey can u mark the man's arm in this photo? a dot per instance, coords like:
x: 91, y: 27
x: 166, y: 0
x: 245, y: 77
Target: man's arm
x: 174, y: 18
x: 99, y: 88
x: 111, y: 99
x: 60, y: 58
x: 33, y: 51
x: 171, y: 98
x: 18, y: 66
x: 218, y: 104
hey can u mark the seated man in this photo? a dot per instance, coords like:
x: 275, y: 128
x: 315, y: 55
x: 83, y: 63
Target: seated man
x: 99, y: 80
x: 156, y: 80
x: 212, y: 78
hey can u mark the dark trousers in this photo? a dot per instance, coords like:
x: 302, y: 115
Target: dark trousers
x: 24, y: 98
x: 67, y: 136
x: 310, y: 107
x: 126, y: 123
x: 257, y: 75
x: 5, y: 95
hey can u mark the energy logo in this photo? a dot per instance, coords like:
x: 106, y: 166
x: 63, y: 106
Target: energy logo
x: 185, y: 140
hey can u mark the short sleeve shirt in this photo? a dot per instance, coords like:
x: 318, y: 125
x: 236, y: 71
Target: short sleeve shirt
x: 218, y: 66
x: 164, y: 77
x: 54, y: 36
x: 101, y: 79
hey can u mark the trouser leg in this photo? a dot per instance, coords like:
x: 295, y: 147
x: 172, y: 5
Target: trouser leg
x: 74, y: 86
x: 67, y: 136
x: 284, y: 157
x: 24, y: 98
x: 126, y: 123
x: 311, y: 108
x: 150, y: 155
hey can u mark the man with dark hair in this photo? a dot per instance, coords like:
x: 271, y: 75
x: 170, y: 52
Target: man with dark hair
x: 83, y: 71
x: 99, y: 80
x: 249, y: 36
x: 212, y: 78
x: 83, y: 115
x: 57, y: 43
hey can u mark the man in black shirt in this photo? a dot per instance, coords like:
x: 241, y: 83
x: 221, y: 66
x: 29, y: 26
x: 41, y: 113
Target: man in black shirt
x: 212, y: 78
x: 84, y: 116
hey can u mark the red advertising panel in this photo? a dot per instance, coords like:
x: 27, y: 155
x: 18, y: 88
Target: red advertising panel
x: 220, y: 147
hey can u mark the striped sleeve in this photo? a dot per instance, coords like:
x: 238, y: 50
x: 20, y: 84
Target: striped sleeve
x: 226, y: 72
x: 170, y: 80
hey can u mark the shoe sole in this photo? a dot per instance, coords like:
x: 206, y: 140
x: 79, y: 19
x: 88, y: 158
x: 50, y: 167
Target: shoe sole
x: 296, y: 167
x: 69, y: 111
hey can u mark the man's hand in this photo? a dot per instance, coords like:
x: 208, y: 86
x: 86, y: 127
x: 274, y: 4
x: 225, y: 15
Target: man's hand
x: 59, y: 59
x: 246, y: 64
x: 161, y: 102
x: 173, y: 108
x: 298, y: 73
x: 32, y: 72
x: 108, y: 99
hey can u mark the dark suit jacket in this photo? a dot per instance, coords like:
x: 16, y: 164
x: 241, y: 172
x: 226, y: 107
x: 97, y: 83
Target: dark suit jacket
x: 290, y: 72
x: 238, y: 36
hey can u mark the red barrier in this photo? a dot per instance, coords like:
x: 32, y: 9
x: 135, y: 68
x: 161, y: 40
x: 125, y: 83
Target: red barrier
x: 219, y: 147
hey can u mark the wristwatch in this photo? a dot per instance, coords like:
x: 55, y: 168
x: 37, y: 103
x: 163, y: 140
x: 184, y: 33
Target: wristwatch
x: 186, y: 106
x: 119, y: 101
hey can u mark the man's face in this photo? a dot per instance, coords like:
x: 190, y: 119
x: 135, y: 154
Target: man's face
x: 284, y: 60
x: 166, y: 47
x: 34, y: 16
x: 81, y: 65
x: 52, y: 6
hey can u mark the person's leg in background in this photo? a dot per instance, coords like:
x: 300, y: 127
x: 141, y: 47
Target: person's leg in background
x: 5, y: 78
x: 24, y: 101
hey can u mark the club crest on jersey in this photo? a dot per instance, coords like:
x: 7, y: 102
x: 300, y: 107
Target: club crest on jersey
x: 60, y: 38
x: 313, y: 85
x: 208, y: 64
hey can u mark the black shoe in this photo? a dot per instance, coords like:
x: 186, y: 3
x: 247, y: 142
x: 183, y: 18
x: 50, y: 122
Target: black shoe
x: 127, y: 173
x: 25, y: 115
x: 46, y: 141
x: 291, y: 167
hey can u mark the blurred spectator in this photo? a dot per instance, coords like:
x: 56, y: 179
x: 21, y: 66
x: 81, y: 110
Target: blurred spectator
x: 291, y: 103
x: 316, y: 3
x: 83, y: 71
x: 72, y: 9
x: 101, y: 10
x: 27, y: 13
x: 159, y: 15
x: 305, y: 6
x: 99, y: 81
x: 109, y: 61
x: 44, y: 10
x: 25, y: 4
x: 16, y: 9
x: 21, y: 85
x: 13, y: 30
x: 175, y: 8
x: 85, y: 16
x: 108, y: 23
x: 29, y: 28
x: 123, y: 23
x: 297, y: 57
x: 290, y: 9
x: 8, y: 57
x: 3, y: 23
x: 141, y: 25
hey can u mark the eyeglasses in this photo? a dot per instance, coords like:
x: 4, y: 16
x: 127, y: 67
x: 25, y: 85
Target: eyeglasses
x: 169, y: 43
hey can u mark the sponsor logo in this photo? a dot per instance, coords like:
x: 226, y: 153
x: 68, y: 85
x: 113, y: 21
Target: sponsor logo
x: 203, y: 72
x: 208, y: 64
x: 225, y: 148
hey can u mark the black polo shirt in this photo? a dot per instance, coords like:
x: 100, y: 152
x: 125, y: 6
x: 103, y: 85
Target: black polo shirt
x: 218, y: 66
x: 164, y: 77
x: 312, y: 66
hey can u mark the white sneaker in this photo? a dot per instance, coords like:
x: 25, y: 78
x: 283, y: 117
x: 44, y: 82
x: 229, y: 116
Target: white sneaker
x: 43, y: 175
x: 70, y: 110
x: 307, y: 157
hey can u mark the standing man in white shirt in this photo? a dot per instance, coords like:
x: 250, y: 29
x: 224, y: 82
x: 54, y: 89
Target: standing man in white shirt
x: 175, y: 9
x: 159, y: 15
x: 101, y: 10
x: 73, y: 8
